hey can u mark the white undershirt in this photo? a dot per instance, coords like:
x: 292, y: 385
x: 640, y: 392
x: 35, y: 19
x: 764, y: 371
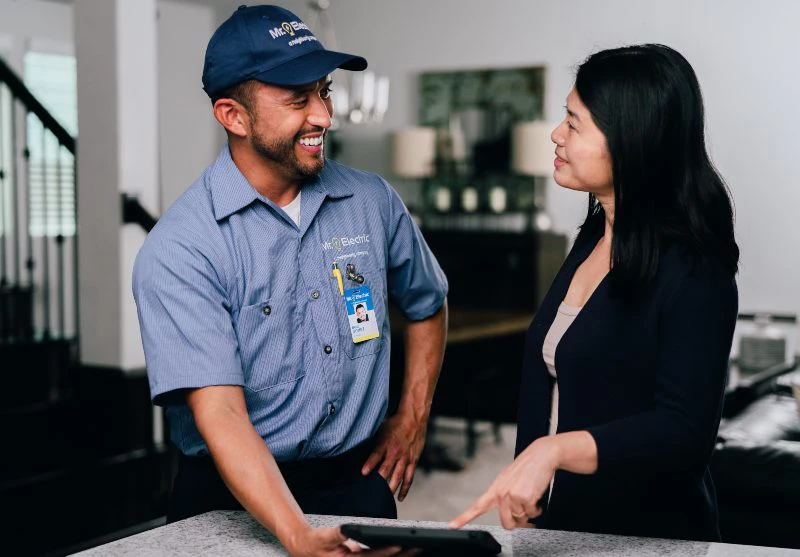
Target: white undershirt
x: 293, y: 209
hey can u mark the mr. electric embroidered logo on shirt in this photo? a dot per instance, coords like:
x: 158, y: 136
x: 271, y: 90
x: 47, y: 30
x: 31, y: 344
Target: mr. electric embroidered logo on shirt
x: 340, y: 242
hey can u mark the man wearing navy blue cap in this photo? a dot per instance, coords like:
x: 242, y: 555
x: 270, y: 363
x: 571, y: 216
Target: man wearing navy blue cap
x: 282, y: 419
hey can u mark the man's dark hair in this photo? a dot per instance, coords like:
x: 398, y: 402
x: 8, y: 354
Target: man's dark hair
x: 360, y: 306
x: 243, y: 93
x: 647, y: 102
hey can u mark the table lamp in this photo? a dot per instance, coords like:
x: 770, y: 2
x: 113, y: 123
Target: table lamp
x: 414, y: 156
x: 532, y: 154
x: 414, y: 152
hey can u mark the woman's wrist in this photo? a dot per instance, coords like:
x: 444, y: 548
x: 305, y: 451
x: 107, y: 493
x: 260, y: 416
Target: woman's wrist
x: 549, y: 448
x: 573, y: 451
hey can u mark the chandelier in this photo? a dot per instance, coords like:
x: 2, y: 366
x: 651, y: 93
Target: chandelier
x: 358, y: 97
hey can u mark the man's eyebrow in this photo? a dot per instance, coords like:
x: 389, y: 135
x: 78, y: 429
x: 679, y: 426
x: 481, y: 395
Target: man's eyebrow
x: 301, y: 90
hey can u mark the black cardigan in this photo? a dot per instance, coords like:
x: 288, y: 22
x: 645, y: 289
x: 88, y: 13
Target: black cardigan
x: 646, y: 380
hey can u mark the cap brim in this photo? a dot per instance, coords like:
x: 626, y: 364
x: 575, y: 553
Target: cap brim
x: 311, y: 67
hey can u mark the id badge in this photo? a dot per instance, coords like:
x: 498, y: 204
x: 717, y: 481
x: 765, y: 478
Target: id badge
x: 361, y: 313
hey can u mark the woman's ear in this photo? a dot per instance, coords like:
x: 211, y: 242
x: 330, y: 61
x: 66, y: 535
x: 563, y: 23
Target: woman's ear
x: 233, y: 117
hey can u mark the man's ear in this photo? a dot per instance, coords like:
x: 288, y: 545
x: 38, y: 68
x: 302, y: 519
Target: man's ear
x: 233, y: 117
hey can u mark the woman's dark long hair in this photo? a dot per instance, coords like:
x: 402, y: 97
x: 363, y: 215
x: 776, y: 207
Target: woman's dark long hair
x: 647, y: 102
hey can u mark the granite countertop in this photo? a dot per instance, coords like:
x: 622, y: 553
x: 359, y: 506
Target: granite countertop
x: 236, y: 534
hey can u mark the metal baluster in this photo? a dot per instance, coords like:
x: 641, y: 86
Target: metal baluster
x: 5, y: 294
x: 15, y: 198
x: 29, y: 309
x: 45, y: 239
x: 3, y: 231
x: 28, y: 187
x: 60, y: 243
x: 75, y: 274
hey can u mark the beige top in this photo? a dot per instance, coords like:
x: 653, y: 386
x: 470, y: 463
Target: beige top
x: 564, y: 318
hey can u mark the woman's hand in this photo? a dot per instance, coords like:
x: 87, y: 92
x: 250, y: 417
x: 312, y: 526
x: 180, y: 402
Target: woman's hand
x: 517, y: 490
x: 330, y: 542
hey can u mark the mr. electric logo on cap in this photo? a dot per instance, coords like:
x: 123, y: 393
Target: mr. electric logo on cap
x: 288, y: 28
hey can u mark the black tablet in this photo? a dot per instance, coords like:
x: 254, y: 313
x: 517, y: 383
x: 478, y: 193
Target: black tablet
x: 443, y: 540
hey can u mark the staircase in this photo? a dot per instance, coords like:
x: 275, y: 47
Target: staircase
x: 79, y: 461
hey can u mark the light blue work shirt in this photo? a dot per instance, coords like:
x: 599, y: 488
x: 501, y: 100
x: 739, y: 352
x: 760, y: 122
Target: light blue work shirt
x: 230, y: 291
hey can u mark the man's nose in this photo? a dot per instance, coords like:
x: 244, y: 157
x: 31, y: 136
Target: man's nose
x: 319, y: 115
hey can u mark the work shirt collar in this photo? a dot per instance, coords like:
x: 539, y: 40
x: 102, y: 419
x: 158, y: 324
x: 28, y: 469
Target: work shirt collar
x: 231, y: 192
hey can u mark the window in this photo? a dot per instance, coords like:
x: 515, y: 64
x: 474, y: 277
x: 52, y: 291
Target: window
x: 52, y: 78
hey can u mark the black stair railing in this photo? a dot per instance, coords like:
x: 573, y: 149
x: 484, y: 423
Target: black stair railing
x: 38, y: 219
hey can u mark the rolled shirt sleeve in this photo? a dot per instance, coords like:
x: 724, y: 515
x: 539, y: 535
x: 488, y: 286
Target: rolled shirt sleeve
x: 185, y: 320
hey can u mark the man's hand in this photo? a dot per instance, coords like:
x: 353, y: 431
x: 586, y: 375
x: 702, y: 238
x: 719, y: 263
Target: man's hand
x: 399, y: 443
x: 330, y: 542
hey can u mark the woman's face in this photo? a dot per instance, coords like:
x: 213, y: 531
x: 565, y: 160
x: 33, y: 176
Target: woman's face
x: 582, y: 162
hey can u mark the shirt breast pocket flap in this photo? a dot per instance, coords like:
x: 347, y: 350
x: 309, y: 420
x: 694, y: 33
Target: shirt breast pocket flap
x: 377, y: 286
x: 270, y: 344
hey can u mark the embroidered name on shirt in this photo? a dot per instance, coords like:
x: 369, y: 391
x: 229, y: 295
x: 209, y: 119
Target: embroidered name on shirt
x: 339, y: 243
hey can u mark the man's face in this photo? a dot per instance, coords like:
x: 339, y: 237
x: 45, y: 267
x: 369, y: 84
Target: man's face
x: 287, y: 127
x: 361, y: 313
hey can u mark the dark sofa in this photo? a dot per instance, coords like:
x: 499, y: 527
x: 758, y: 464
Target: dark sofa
x: 756, y: 471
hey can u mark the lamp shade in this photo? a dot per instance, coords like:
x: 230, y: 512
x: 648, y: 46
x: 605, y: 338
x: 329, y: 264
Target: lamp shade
x: 413, y: 152
x: 532, y: 151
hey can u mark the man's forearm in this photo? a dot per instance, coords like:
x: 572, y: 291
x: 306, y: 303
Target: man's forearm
x: 424, y: 351
x: 245, y: 463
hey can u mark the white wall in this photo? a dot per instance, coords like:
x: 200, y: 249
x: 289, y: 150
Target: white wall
x: 189, y: 135
x: 745, y: 54
x: 115, y: 45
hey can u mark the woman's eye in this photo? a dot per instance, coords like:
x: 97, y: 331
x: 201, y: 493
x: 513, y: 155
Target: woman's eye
x: 325, y: 93
x: 570, y: 126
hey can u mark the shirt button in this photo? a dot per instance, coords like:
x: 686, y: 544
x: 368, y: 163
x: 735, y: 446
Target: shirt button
x: 331, y: 410
x: 267, y: 310
x: 315, y: 294
x: 328, y: 349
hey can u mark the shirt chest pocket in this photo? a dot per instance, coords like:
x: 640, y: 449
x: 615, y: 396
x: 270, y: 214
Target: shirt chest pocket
x: 375, y: 281
x: 270, y: 344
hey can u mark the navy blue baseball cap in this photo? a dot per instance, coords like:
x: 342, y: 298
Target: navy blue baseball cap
x: 272, y: 45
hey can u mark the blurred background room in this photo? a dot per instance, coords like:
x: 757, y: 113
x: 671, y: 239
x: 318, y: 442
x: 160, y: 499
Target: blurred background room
x: 103, y: 124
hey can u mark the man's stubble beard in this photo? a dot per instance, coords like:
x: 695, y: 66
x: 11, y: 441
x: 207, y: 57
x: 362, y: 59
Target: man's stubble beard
x: 282, y: 153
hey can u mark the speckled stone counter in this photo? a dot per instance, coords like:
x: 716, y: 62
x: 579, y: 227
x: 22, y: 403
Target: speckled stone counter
x: 236, y: 534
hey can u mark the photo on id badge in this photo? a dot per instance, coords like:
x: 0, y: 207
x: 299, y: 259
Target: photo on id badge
x: 361, y: 313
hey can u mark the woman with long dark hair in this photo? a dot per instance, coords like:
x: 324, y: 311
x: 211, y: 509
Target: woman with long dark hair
x: 626, y: 360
